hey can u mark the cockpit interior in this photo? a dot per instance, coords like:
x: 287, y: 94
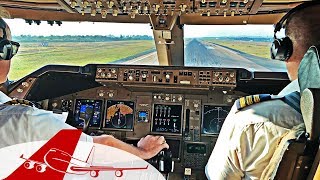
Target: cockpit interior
x: 185, y: 104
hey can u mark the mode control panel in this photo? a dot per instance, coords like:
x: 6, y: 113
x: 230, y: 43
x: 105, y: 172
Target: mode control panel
x: 168, y: 75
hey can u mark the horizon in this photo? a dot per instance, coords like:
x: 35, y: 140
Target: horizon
x: 141, y: 35
x: 19, y: 27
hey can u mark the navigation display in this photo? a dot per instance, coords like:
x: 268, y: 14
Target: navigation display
x: 119, y: 115
x: 87, y: 110
x: 167, y: 118
x: 213, y: 118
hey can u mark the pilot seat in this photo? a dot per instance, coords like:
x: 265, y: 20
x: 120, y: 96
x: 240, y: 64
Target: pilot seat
x: 298, y: 153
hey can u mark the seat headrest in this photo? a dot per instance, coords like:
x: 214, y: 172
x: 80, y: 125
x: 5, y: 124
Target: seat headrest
x: 311, y: 111
x: 309, y: 69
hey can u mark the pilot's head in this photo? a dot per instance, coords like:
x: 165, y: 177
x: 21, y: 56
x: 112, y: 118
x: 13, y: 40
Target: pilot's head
x: 5, y: 33
x: 303, y: 28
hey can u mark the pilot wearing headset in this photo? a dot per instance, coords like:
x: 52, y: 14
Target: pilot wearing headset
x: 253, y: 129
x: 21, y: 123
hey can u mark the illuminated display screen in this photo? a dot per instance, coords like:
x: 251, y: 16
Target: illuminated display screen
x: 196, y: 148
x: 213, y: 118
x: 143, y: 116
x: 119, y: 115
x: 87, y: 110
x: 167, y: 118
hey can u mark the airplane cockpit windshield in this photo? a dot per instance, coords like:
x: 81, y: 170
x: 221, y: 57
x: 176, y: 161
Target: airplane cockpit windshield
x: 225, y: 46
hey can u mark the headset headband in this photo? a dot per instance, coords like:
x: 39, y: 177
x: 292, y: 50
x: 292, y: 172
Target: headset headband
x: 282, y: 21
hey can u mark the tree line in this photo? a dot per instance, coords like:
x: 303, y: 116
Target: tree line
x: 243, y: 38
x: 80, y: 38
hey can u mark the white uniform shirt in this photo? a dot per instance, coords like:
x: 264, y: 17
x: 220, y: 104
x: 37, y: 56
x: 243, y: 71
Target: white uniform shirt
x: 21, y: 124
x: 249, y: 137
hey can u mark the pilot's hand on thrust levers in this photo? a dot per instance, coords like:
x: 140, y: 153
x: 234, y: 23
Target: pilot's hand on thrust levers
x: 152, y: 145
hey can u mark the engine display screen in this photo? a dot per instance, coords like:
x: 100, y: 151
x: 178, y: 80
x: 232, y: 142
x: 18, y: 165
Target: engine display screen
x: 167, y: 118
x: 87, y: 110
x: 119, y: 115
x: 213, y: 118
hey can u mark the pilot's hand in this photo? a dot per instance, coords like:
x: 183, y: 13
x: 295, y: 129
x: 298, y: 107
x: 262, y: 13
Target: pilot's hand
x: 152, y: 145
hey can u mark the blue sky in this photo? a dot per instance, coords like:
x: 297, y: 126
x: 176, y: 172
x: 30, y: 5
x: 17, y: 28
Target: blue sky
x: 19, y: 27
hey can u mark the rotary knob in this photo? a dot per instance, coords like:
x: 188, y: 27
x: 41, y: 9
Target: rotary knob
x: 167, y: 76
x: 54, y: 105
x: 113, y: 70
x: 109, y: 75
x: 19, y: 90
x: 130, y: 77
x: 144, y: 76
x: 25, y: 84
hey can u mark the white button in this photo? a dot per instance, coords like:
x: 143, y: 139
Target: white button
x: 187, y: 171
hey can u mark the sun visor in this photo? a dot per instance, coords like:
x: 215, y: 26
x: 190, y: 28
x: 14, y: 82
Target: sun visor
x: 309, y: 69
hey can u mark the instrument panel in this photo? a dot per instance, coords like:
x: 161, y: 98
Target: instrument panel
x: 187, y: 105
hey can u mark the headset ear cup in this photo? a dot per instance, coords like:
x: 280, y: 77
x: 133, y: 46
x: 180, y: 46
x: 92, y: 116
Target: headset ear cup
x: 281, y: 49
x: 274, y: 49
x: 7, y: 52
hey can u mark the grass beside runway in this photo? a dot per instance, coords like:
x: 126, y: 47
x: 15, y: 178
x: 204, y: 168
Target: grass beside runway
x: 260, y: 49
x: 32, y: 56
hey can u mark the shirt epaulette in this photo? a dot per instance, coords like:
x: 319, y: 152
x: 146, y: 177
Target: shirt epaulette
x: 292, y: 99
x: 20, y: 102
x: 252, y: 99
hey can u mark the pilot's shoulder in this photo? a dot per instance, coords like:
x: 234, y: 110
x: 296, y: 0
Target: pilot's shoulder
x: 250, y: 100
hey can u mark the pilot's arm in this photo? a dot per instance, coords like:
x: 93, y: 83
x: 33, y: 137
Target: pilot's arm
x: 148, y: 146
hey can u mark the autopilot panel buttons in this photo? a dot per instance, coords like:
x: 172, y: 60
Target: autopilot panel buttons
x: 19, y: 90
x: 144, y: 75
x: 154, y: 78
x: 25, y: 84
